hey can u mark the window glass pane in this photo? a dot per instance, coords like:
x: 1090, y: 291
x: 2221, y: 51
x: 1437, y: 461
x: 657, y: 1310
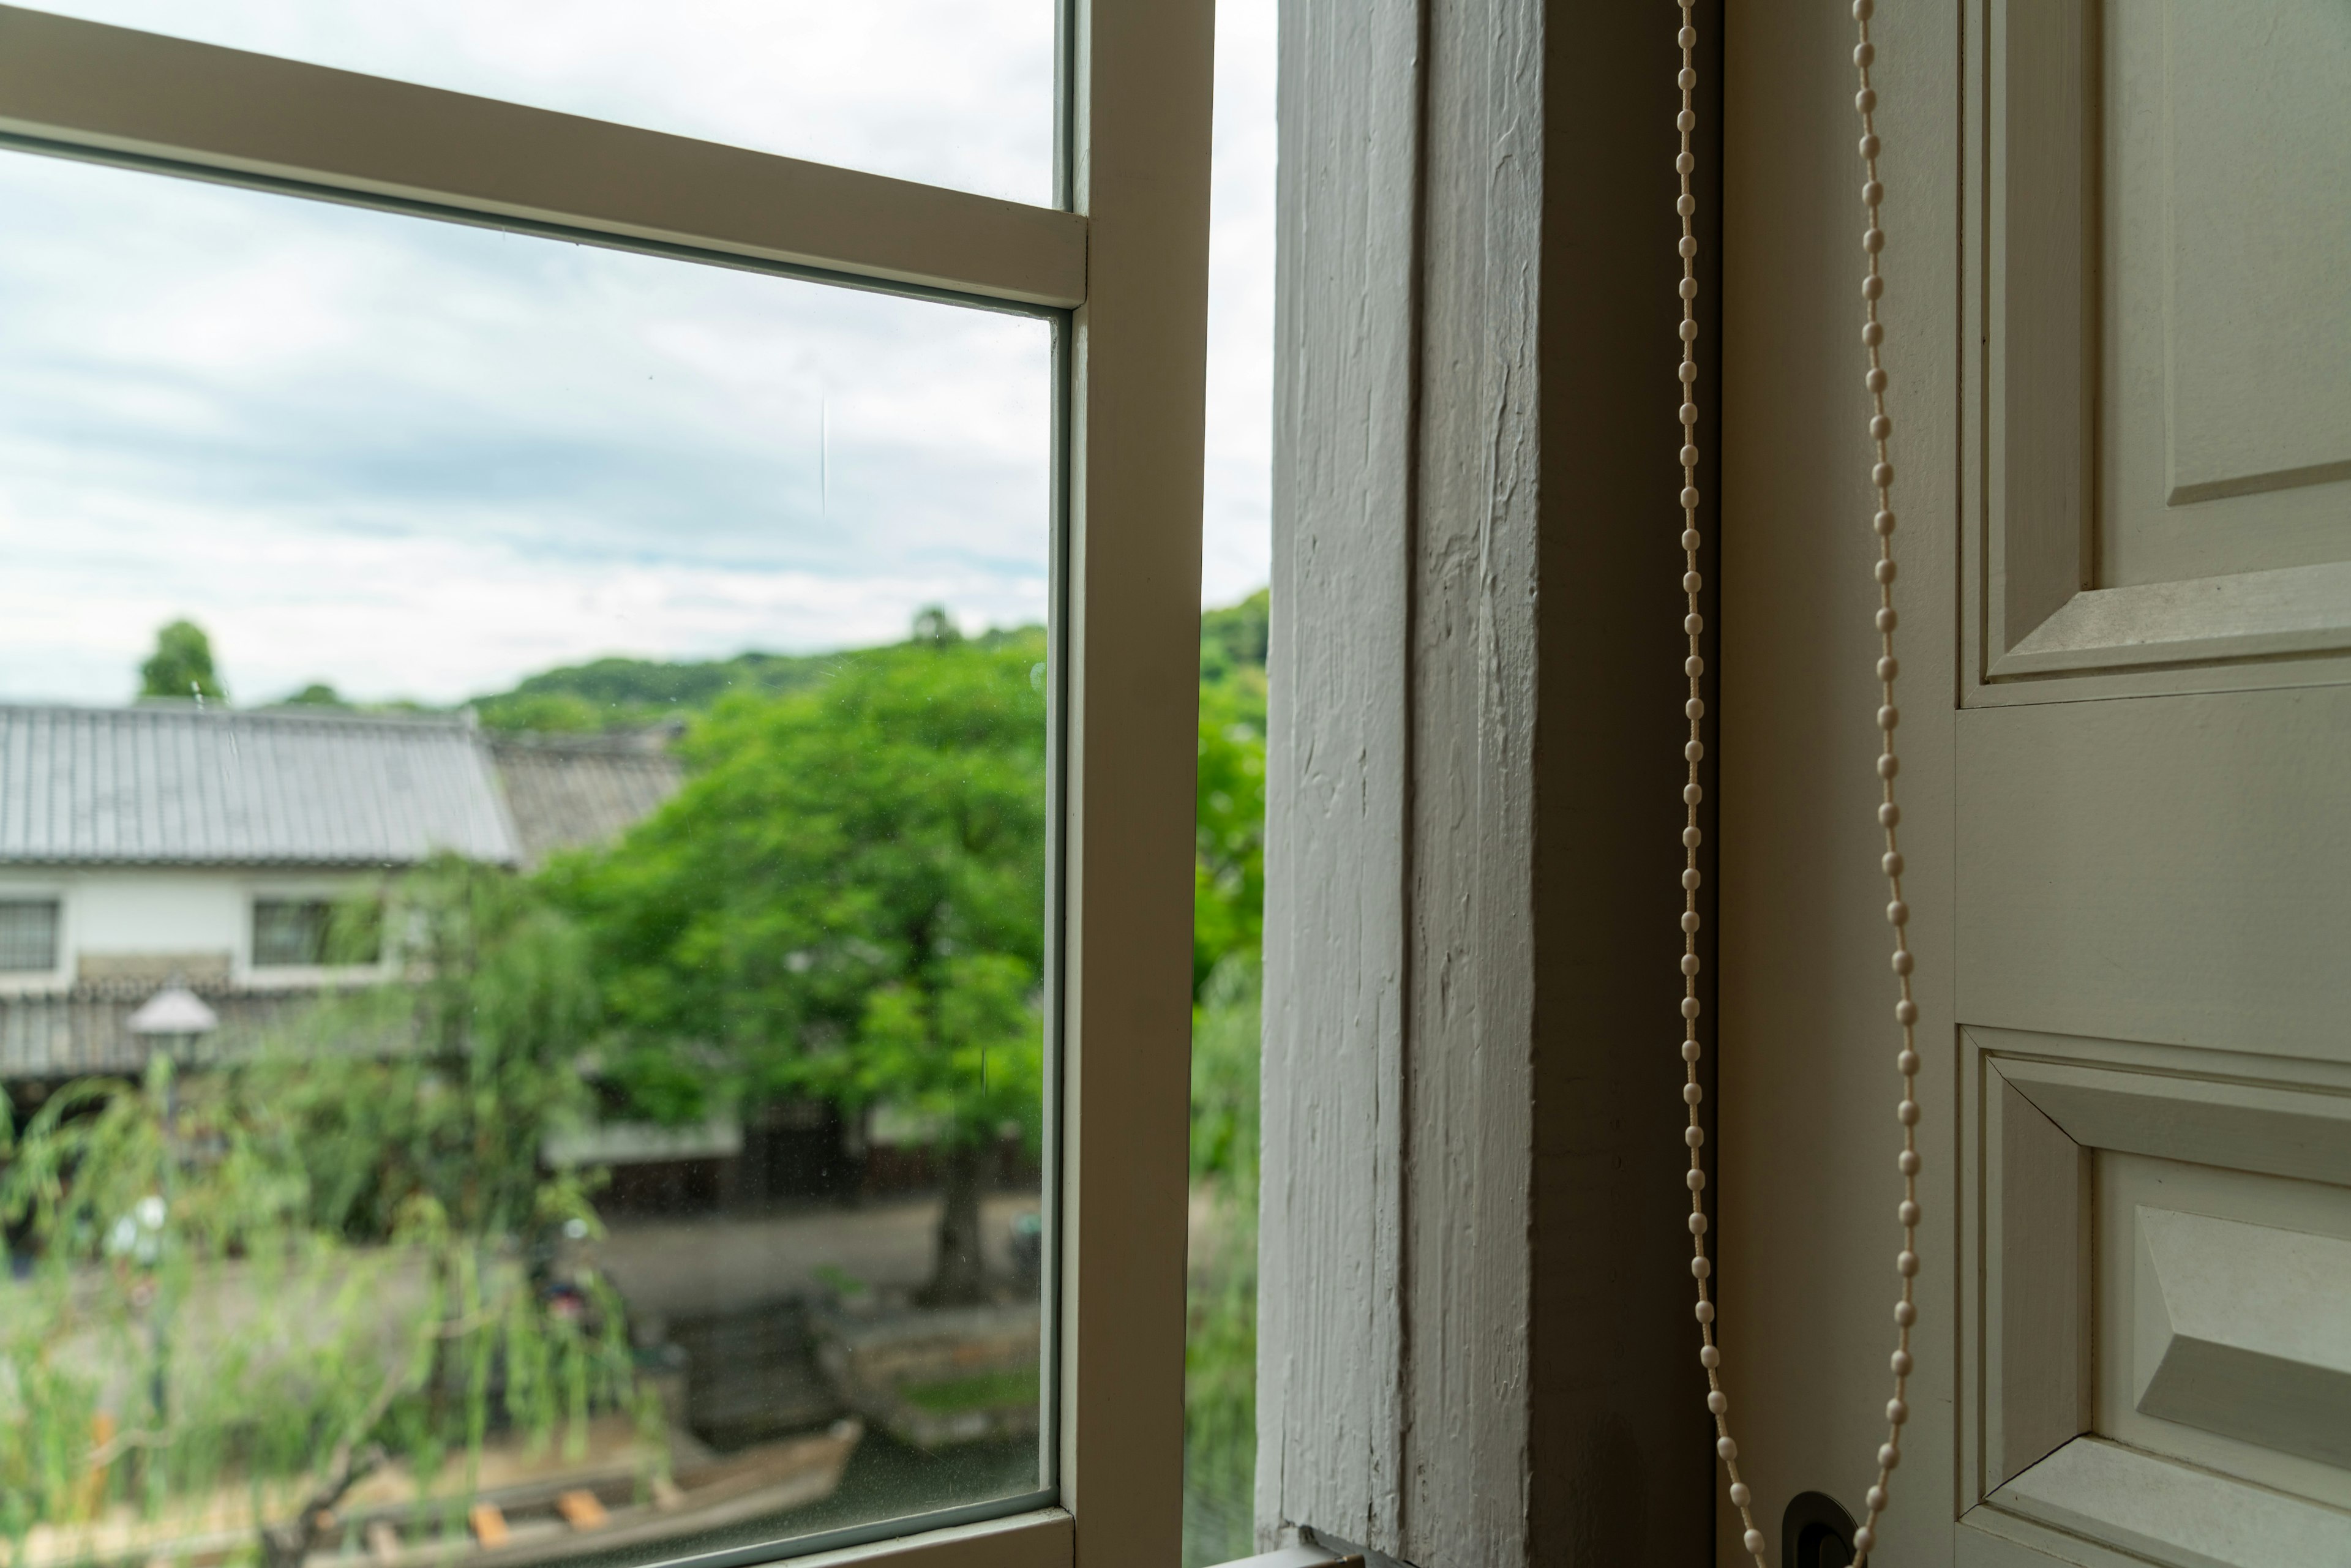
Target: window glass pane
x: 647, y: 661
x: 28, y: 935
x: 948, y: 92
x: 289, y: 931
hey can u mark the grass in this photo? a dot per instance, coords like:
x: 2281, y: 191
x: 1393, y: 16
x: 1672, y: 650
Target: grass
x: 981, y: 1390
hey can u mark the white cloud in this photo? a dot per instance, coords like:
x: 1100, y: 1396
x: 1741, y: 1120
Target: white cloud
x: 422, y: 460
x: 1237, y: 541
x: 950, y: 92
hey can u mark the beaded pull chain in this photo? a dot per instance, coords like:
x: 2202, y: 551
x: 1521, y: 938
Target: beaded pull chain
x: 1889, y: 814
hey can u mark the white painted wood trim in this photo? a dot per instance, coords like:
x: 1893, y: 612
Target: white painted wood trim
x: 2253, y: 614
x: 1138, y: 397
x: 1044, y: 1538
x: 2239, y: 1329
x: 2279, y: 1129
x: 85, y: 88
x: 2172, y: 1513
x: 2037, y: 631
x: 1470, y: 927
x: 2044, y: 1102
x: 1330, y: 1265
x: 1990, y: 1537
x: 2040, y: 281
x: 2037, y: 1284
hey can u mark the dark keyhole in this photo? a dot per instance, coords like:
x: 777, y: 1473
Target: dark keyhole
x: 1815, y: 1532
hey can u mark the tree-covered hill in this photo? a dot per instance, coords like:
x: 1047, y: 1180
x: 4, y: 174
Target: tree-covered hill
x: 621, y: 692
x: 625, y: 694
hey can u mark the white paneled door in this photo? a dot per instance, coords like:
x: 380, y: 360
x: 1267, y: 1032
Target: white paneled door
x: 2120, y: 338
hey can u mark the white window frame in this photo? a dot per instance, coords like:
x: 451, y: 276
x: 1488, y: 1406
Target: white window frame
x: 1122, y: 270
x: 245, y: 960
x: 22, y: 982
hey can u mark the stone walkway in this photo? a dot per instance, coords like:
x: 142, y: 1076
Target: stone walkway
x: 729, y: 1263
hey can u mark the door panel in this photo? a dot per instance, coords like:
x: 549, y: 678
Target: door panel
x: 2128, y: 814
x: 2173, y: 868
x: 2164, y: 193
x: 2225, y: 435
x: 2153, y: 857
x: 2222, y: 1324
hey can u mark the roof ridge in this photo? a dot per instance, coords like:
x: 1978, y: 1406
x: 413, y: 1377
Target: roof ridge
x: 162, y: 709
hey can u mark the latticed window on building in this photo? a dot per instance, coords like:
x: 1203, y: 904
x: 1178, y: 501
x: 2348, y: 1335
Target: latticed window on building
x: 28, y: 935
x: 287, y: 932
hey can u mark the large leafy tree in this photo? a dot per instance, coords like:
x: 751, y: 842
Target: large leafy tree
x: 181, y: 665
x: 847, y: 900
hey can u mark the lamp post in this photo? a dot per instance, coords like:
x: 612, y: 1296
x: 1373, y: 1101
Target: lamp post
x: 174, y: 1020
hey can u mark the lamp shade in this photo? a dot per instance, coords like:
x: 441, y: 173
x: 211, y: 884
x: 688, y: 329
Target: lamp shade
x: 175, y: 1009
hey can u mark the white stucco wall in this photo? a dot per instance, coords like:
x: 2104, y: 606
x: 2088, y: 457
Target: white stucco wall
x: 135, y: 912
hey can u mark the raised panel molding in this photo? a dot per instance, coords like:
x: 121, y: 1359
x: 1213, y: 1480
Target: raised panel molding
x: 2277, y: 1129
x: 2244, y: 1329
x: 2037, y: 1345
x: 2045, y: 621
x: 2256, y: 340
x: 2232, y: 1344
x: 2171, y: 1513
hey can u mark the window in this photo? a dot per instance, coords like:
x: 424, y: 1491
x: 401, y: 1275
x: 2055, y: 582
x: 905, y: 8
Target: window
x: 746, y: 611
x: 28, y: 936
x: 289, y: 932
x: 308, y: 932
x: 956, y: 95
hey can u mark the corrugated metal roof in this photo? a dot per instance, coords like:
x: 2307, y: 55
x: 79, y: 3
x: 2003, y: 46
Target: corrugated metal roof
x: 176, y: 785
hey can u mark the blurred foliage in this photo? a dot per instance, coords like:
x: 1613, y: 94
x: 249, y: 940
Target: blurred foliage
x: 1220, y: 1339
x: 1229, y: 889
x: 1233, y: 643
x: 181, y: 665
x: 1229, y: 904
x: 263, y: 1280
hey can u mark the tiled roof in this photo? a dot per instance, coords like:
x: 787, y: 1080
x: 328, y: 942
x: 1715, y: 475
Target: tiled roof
x: 172, y: 784
x: 69, y: 1034
x: 569, y: 790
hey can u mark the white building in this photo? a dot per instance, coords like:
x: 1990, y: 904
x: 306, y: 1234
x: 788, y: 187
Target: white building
x: 140, y: 845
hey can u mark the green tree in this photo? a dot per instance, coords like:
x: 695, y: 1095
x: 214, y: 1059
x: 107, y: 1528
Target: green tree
x: 1234, y: 642
x: 1227, y: 920
x: 181, y: 665
x: 1228, y: 873
x: 847, y: 901
x: 266, y: 1279
x: 613, y: 692
x: 1220, y: 1337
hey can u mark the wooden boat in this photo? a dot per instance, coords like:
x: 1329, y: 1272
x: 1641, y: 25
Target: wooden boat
x: 522, y: 1509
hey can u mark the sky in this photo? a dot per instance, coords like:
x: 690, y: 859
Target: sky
x: 421, y: 460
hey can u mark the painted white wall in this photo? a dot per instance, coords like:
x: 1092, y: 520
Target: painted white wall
x: 145, y: 910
